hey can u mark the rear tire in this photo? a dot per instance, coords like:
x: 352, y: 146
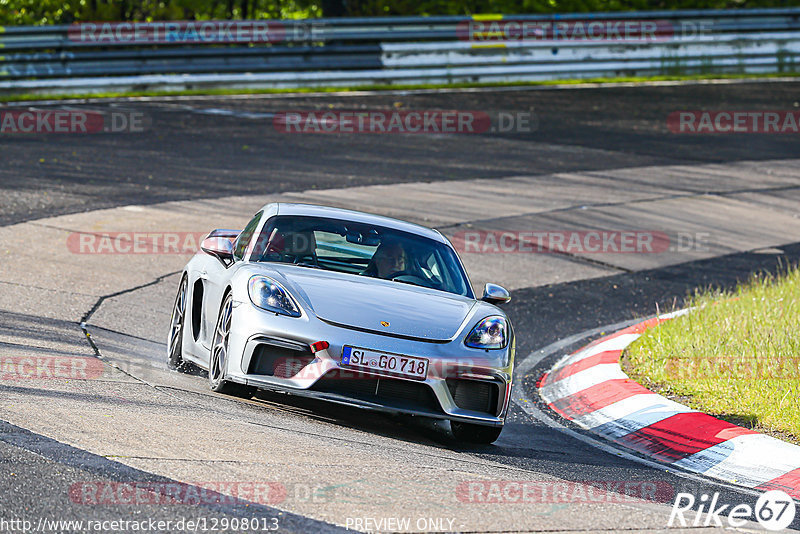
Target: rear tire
x: 472, y: 433
x: 175, y: 359
x: 218, y: 360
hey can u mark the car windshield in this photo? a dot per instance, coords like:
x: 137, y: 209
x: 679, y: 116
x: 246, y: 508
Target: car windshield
x: 361, y: 249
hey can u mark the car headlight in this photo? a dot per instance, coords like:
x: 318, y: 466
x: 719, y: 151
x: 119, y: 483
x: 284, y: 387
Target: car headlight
x: 490, y: 333
x: 269, y: 295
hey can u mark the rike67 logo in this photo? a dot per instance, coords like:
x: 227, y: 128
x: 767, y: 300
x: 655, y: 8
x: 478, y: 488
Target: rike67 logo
x: 774, y: 510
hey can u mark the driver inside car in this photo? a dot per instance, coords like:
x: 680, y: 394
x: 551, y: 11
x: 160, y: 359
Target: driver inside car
x: 390, y: 258
x: 287, y: 246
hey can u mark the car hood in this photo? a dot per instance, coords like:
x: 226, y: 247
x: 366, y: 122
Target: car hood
x: 366, y: 303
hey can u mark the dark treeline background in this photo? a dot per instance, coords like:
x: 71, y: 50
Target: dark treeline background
x: 15, y: 12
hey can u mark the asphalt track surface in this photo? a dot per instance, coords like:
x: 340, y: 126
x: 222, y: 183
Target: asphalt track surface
x: 193, y: 151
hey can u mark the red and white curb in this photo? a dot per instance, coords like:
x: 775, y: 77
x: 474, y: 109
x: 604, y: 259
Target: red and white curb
x: 590, y: 388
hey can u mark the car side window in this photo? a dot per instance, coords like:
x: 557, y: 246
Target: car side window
x: 245, y: 237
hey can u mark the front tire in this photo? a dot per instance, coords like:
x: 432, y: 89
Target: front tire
x: 472, y: 433
x: 175, y: 359
x: 218, y: 360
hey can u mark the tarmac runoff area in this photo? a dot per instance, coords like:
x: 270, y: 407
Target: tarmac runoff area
x: 340, y: 466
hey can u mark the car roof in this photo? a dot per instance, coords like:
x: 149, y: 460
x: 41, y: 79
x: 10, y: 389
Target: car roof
x: 314, y: 210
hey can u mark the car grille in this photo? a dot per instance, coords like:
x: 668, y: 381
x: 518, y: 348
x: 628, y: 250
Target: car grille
x: 387, y: 391
x: 474, y: 395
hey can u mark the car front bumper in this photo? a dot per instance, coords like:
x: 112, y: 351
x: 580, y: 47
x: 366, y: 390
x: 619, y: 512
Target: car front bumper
x: 274, y: 352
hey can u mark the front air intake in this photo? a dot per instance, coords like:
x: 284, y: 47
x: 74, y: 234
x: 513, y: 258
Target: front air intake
x: 474, y: 395
x: 280, y: 362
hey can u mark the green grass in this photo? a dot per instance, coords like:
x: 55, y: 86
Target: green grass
x: 737, y: 356
x: 222, y: 92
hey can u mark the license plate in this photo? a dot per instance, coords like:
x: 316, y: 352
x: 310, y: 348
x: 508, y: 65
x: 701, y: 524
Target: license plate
x: 397, y: 364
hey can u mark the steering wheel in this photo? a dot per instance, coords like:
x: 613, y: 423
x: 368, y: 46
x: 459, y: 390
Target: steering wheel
x: 301, y: 260
x: 405, y: 276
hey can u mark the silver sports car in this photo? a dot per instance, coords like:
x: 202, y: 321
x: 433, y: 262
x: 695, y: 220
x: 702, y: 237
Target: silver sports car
x: 348, y: 307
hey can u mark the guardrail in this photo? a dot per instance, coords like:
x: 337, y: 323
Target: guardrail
x: 395, y: 50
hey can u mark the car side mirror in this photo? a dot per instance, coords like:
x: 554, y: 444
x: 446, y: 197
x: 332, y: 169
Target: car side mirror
x: 495, y: 294
x: 219, y: 247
